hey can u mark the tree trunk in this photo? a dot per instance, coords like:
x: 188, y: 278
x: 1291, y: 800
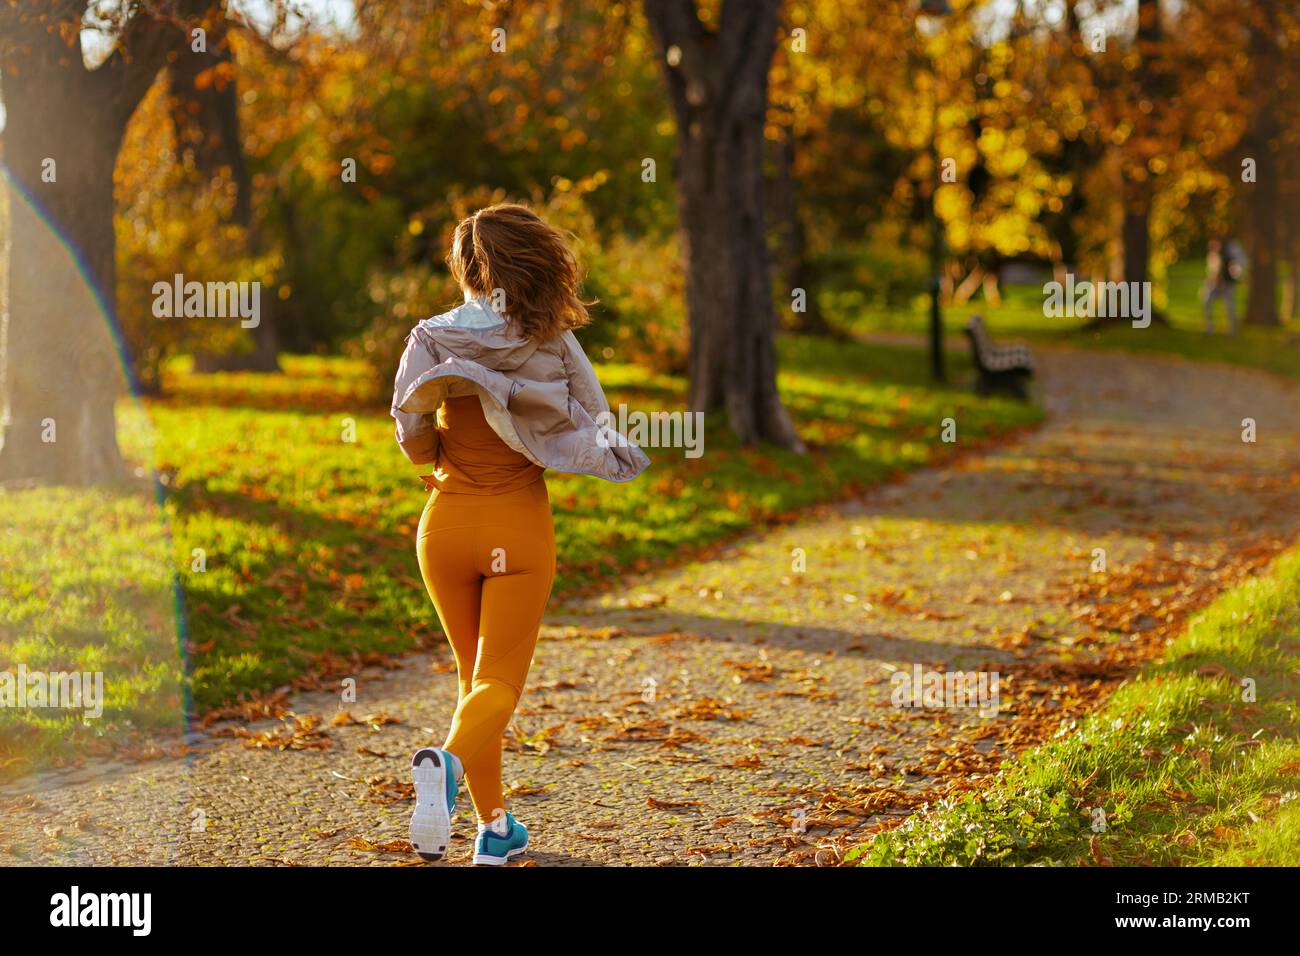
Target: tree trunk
x: 1291, y: 304
x: 64, y: 125
x: 1137, y: 186
x: 1262, y: 196
x: 62, y: 373
x: 718, y: 85
x: 205, y: 93
x: 1290, y: 237
x: 1136, y: 231
x: 793, y: 263
x: 1261, y: 294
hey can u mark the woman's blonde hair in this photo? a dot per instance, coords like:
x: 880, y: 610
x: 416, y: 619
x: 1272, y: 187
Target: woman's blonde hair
x: 507, y: 247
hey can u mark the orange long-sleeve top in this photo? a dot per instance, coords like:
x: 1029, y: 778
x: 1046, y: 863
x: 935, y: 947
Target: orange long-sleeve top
x: 472, y: 458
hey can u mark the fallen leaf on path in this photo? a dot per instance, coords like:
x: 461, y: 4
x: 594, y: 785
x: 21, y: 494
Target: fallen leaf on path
x: 656, y: 804
x: 304, y: 734
x: 384, y: 789
x: 392, y: 846
x: 521, y: 790
x: 709, y: 708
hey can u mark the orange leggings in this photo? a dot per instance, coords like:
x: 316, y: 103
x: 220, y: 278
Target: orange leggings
x: 488, y: 562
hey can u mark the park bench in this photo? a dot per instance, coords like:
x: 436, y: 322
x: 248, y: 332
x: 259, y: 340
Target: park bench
x: 1000, y: 367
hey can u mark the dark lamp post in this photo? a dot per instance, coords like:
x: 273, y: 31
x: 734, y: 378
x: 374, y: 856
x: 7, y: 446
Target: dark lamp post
x: 929, y: 16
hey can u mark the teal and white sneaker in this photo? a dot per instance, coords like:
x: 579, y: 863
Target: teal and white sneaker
x: 498, y: 842
x: 436, y: 773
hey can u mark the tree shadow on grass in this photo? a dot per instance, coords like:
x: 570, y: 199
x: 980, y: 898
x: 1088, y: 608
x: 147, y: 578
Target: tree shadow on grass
x: 290, y: 607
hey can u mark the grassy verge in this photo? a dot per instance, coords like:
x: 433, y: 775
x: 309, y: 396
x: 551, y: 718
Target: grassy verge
x: 1182, y: 769
x: 285, y: 529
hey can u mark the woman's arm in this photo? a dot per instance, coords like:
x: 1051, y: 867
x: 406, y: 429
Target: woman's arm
x: 417, y: 433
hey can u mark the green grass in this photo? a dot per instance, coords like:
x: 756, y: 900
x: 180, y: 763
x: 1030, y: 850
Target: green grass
x: 1185, y: 770
x: 1020, y: 315
x: 307, y: 541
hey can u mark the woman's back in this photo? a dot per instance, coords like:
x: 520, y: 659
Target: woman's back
x: 472, y: 458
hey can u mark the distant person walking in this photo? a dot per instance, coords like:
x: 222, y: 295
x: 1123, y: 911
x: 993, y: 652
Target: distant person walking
x: 1224, y: 264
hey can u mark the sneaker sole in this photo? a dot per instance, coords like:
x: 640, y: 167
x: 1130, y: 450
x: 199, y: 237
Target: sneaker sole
x: 430, y: 823
x: 499, y: 860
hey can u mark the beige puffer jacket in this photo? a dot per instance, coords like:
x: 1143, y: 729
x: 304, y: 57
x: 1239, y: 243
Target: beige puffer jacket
x: 542, y: 399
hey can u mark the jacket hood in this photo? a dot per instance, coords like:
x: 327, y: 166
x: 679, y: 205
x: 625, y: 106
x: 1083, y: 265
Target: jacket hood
x: 475, y: 331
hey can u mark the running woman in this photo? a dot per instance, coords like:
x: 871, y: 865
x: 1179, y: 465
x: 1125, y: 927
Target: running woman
x: 491, y: 394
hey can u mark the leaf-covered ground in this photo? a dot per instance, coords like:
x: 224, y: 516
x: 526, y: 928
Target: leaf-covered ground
x: 737, y: 710
x: 1195, y: 761
x: 281, y: 550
